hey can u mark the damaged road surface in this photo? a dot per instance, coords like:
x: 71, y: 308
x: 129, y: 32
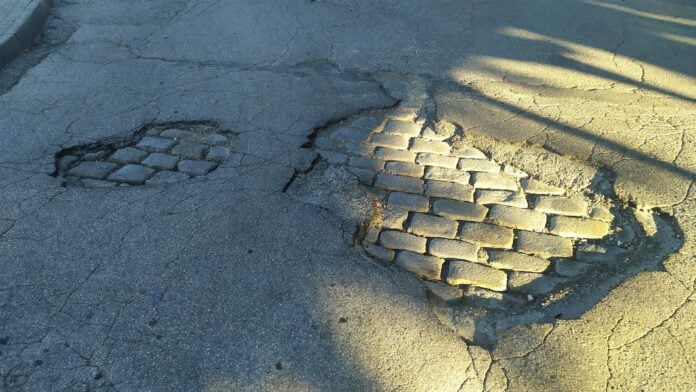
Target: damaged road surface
x: 350, y: 195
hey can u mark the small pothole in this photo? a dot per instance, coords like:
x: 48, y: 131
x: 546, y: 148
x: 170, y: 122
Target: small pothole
x: 157, y: 154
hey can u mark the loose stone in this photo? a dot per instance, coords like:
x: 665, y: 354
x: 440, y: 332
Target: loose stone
x: 465, y: 272
x: 166, y: 177
x: 535, y: 187
x: 379, y: 252
x: 449, y: 190
x: 195, y: 168
x: 429, y: 146
x: 578, y: 227
x: 128, y: 155
x: 149, y: 143
x: 388, y: 154
x: 190, y: 150
x: 397, y: 142
x: 393, y: 239
x: 489, y: 236
x: 497, y: 181
x: 453, y: 249
x: 178, y: 134
x: 405, y: 128
x: 516, y: 261
x: 92, y: 169
x: 544, y: 245
x: 399, y: 183
x: 427, y: 267
x: 517, y: 218
x: 432, y: 226
x: 220, y: 154
x: 459, y: 210
x: 409, y: 202
x: 404, y: 169
x: 159, y: 160
x: 561, y: 206
x: 478, y: 165
x: 442, y: 161
x: 506, y: 198
x: 131, y: 174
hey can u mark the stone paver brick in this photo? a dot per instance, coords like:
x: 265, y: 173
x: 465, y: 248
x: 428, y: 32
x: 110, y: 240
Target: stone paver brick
x: 430, y: 159
x: 503, y: 259
x: 432, y: 226
x: 444, y: 291
x: 219, y: 154
x: 372, y: 234
x: 464, y: 272
x: 397, y: 142
x: 394, y: 218
x: 128, y: 155
x: 92, y: 169
x: 190, y: 150
x: 195, y: 168
x: 408, y: 201
x: 132, y: 174
x: 460, y: 210
x: 95, y: 156
x: 478, y: 165
x: 533, y: 283
x: 514, y: 172
x: 166, y: 177
x: 429, y: 146
x: 517, y: 218
x: 405, y: 128
x: 365, y: 176
x: 453, y: 249
x: 578, y: 227
x: 159, y: 160
x: 389, y: 154
x: 489, y: 236
x: 404, y: 169
x: 570, y: 268
x: 536, y: 187
x: 351, y: 135
x: 359, y: 148
x: 505, y: 198
x: 445, y: 174
x: 495, y: 181
x: 379, y: 252
x: 366, y: 163
x: 440, y: 131
x: 601, y: 213
x: 394, y: 239
x: 178, y: 134
x: 561, y: 206
x: 427, y: 267
x: 544, y: 245
x: 449, y: 190
x: 399, y: 183
x: 216, y: 140
x: 469, y: 153
x: 334, y: 157
x: 366, y: 122
x: 149, y: 143
x: 325, y: 142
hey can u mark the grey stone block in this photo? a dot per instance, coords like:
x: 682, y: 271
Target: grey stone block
x: 404, y: 169
x: 496, y: 181
x: 195, y: 168
x: 441, y: 161
x: 409, y: 202
x: 517, y: 218
x: 365, y: 176
x: 561, y: 206
x: 478, y: 165
x: 215, y: 139
x: 432, y: 226
x: 397, y: 142
x: 366, y: 163
x: 190, y: 150
x: 219, y: 154
x: 516, y: 261
x: 128, y: 155
x: 393, y: 239
x: 449, y: 190
x: 405, y: 128
x: 460, y: 210
x: 536, y: 187
x: 399, y: 183
x: 429, y: 146
x: 92, y: 169
x: 333, y: 157
x: 366, y: 122
x: 150, y: 143
x: 159, y: 160
x: 578, y: 227
x: 544, y: 245
x: 379, y: 252
x: 131, y: 174
x: 95, y: 156
x: 453, y: 249
x: 490, y: 236
x: 505, y: 198
x: 390, y: 154
x: 427, y: 267
x: 465, y: 272
x: 351, y: 135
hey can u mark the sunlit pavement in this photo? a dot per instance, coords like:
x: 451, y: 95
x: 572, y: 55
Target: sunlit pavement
x: 250, y: 273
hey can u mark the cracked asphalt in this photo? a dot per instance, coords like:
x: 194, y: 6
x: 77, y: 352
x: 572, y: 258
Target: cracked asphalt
x: 229, y: 283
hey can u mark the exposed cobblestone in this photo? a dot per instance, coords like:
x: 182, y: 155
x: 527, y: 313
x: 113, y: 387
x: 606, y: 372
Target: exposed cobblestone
x: 459, y: 210
x: 444, y: 292
x: 440, y: 131
x: 535, y: 187
x: 544, y: 245
x: 505, y: 198
x: 517, y: 218
x: 365, y: 176
x: 372, y: 234
x: 379, y: 252
x: 367, y: 122
x: 449, y: 175
x: 366, y: 163
x: 218, y: 154
x: 516, y: 261
x: 405, y: 128
x: 561, y: 206
x: 394, y: 239
x: 132, y: 174
x: 430, y: 159
x: 92, y: 169
x: 404, y: 169
x: 468, y: 153
x: 453, y: 249
x: 465, y: 272
x: 578, y: 227
x: 399, y: 183
x: 496, y: 181
x: 389, y: 154
x: 351, y: 135
x: 409, y: 202
x: 161, y: 161
x: 190, y: 150
x: 397, y: 142
x: 427, y: 267
x: 486, y: 235
x: 155, y: 144
x: 216, y: 140
x: 451, y: 190
x: 478, y: 165
x: 429, y: 146
x: 128, y: 155
x: 432, y: 226
x: 394, y: 218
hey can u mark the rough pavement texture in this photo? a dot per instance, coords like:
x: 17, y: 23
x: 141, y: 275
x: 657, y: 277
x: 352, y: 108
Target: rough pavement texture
x: 227, y: 283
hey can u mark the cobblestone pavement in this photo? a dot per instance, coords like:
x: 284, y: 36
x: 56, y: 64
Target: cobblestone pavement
x: 526, y: 167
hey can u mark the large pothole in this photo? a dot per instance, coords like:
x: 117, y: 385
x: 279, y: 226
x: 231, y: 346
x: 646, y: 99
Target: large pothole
x: 157, y: 154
